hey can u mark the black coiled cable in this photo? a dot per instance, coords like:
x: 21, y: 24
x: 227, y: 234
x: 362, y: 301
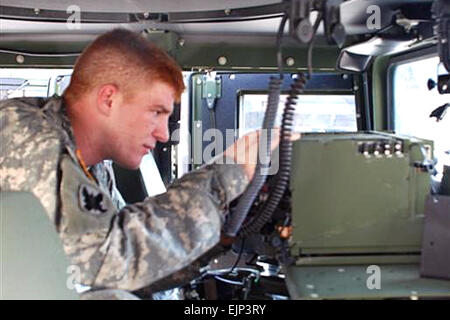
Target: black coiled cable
x: 240, y: 213
x: 285, y: 160
x: 260, y: 175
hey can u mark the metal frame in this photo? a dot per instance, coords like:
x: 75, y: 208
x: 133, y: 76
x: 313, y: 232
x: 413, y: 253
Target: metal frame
x: 239, y: 14
x: 30, y: 14
x: 368, y: 103
x: 227, y: 108
x: 232, y: 14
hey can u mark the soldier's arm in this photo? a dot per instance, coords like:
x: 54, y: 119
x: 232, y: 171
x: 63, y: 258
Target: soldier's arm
x: 151, y: 240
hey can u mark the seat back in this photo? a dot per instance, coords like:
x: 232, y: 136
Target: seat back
x: 33, y: 264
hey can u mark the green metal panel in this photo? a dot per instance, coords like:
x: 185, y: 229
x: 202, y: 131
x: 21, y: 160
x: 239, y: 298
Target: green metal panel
x: 379, y: 92
x: 8, y: 60
x: 188, y: 54
x: 346, y: 202
x: 196, y: 119
x: 252, y: 57
x: 350, y: 282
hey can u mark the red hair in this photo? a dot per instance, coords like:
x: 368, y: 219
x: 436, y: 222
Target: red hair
x: 123, y: 58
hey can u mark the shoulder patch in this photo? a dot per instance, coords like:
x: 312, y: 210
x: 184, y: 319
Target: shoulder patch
x: 91, y: 200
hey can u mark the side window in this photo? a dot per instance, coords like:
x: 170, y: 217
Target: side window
x: 15, y: 83
x: 413, y: 103
x: 314, y: 113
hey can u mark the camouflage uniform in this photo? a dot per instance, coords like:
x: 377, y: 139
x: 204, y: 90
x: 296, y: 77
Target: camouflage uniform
x: 154, y: 242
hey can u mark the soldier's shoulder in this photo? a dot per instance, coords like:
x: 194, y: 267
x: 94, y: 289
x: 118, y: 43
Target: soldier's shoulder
x: 22, y: 103
x: 21, y: 113
x: 19, y: 108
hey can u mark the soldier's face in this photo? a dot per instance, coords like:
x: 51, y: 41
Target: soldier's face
x: 139, y: 122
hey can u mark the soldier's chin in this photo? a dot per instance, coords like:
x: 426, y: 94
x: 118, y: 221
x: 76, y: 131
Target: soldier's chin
x: 130, y: 164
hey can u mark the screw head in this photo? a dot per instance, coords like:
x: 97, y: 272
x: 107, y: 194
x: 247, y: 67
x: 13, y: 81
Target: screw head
x: 222, y: 60
x: 290, y: 61
x: 20, y: 59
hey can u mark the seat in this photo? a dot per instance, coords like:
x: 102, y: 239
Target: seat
x: 33, y: 264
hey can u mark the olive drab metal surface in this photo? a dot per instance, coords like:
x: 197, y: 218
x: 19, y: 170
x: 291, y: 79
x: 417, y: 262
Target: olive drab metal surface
x: 359, y: 193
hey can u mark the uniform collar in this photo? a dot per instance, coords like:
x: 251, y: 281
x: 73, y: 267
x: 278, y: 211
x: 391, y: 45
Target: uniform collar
x: 55, y: 109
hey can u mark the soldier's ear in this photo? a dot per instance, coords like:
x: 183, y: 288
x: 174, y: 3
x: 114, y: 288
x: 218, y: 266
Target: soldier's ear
x: 105, y: 98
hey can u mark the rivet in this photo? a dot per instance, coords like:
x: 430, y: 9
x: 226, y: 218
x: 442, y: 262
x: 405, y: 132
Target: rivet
x: 290, y: 61
x: 20, y: 59
x: 222, y: 60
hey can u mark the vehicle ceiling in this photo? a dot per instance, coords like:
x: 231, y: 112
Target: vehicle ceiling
x: 139, y: 5
x: 202, y: 23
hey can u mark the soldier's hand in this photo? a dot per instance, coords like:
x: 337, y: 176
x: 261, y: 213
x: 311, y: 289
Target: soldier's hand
x: 245, y: 150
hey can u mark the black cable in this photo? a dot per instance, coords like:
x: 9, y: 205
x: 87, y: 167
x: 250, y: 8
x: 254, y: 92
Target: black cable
x: 311, y: 42
x: 239, y: 256
x: 212, y: 125
x: 285, y: 158
x: 240, y: 213
x: 279, y: 38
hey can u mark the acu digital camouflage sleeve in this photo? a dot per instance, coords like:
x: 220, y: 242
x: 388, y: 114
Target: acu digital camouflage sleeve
x: 147, y: 241
x: 131, y: 248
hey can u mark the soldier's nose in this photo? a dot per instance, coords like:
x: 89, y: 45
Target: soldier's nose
x: 162, y: 133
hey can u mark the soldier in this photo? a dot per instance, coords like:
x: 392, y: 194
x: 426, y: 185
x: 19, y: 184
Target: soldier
x: 117, y: 107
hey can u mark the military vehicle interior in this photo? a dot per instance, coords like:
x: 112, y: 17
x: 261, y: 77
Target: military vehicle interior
x: 358, y: 208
